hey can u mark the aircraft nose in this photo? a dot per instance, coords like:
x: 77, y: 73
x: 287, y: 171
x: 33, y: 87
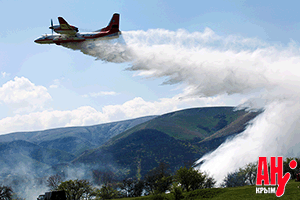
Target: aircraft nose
x: 37, y: 41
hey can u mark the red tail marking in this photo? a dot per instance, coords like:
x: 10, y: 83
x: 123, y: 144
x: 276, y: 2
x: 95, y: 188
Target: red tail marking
x: 62, y: 21
x: 113, y: 24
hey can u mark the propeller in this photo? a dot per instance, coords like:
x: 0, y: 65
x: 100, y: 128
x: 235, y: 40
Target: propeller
x: 51, y: 27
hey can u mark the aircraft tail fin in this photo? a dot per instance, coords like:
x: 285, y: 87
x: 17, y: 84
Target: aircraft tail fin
x: 64, y: 24
x: 113, y: 24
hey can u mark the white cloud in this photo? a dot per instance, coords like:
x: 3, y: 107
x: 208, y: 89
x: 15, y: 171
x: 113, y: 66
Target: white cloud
x: 4, y: 74
x: 21, y: 95
x: 102, y: 93
x: 138, y: 107
x: 50, y: 119
x: 87, y: 115
x: 55, y: 84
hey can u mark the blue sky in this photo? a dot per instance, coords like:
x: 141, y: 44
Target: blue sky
x: 47, y: 86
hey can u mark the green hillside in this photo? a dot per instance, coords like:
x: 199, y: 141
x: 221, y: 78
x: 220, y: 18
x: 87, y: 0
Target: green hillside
x: 141, y: 151
x: 194, y: 123
x: 131, y: 148
x: 175, y: 138
x: 292, y: 192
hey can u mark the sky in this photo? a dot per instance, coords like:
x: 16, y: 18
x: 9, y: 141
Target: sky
x: 50, y: 86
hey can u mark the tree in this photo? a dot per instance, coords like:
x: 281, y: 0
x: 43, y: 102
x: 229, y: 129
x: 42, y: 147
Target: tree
x: 158, y: 179
x: 103, y: 177
x: 5, y: 193
x: 234, y: 179
x: 183, y: 177
x: 132, y: 187
x: 243, y: 176
x: 76, y: 189
x: 197, y: 179
x: 128, y: 186
x: 138, y: 188
x: 54, y: 181
x: 177, y: 192
x: 149, y: 183
x: 192, y: 179
x: 249, y: 171
x: 163, y: 184
x: 210, y: 182
x: 107, y: 192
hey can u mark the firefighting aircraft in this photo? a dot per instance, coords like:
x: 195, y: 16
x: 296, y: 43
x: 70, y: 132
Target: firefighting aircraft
x: 68, y: 33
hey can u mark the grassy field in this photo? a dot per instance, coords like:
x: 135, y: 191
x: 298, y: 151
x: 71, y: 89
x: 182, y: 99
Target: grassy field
x: 247, y: 192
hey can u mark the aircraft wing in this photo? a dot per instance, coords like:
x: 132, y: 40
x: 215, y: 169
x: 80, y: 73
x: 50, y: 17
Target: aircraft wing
x: 66, y: 28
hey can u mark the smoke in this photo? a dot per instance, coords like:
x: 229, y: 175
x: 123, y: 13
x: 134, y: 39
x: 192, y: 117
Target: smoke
x: 24, y: 179
x: 29, y: 181
x: 209, y: 65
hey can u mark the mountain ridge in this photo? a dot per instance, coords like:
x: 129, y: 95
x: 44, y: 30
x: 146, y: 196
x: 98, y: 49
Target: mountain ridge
x: 93, y: 136
x: 131, y: 148
x: 207, y: 121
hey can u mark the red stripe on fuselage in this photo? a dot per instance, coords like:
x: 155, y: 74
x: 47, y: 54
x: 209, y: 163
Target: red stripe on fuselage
x: 98, y: 35
x: 80, y: 37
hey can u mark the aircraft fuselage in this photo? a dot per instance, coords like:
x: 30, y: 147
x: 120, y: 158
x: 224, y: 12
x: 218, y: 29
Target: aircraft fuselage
x: 68, y: 33
x: 79, y: 37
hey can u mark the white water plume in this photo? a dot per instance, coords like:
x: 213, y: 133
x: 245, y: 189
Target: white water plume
x: 209, y: 65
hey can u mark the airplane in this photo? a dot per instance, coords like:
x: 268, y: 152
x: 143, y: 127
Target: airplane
x: 68, y: 33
